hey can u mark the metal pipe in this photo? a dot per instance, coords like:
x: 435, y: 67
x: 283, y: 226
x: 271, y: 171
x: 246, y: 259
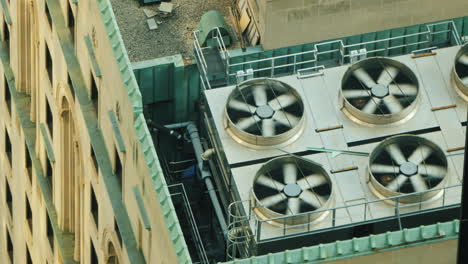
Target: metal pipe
x: 206, y: 176
x: 177, y: 125
x: 462, y: 254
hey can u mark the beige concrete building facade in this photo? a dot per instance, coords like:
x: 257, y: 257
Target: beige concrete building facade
x: 282, y: 23
x: 75, y: 184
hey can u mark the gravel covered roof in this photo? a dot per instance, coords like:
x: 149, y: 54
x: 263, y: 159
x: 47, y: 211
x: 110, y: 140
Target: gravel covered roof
x: 174, y: 33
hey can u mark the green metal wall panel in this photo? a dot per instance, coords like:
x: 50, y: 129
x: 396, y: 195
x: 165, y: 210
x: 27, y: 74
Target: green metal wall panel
x: 169, y: 88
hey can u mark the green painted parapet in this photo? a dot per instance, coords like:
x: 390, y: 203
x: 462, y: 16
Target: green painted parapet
x: 360, y: 246
x: 170, y: 89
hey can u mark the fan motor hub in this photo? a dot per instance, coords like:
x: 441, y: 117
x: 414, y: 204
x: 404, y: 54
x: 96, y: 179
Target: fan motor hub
x: 265, y: 111
x: 380, y: 90
x: 408, y: 168
x: 292, y: 190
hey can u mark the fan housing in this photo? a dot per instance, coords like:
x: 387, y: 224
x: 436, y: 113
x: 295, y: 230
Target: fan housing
x: 407, y: 164
x: 460, y: 72
x: 379, y: 91
x: 291, y: 185
x: 264, y: 113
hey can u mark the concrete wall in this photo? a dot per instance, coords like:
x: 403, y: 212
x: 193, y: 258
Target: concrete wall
x: 444, y: 252
x: 291, y: 22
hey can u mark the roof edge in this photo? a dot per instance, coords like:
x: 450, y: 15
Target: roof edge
x: 361, y: 246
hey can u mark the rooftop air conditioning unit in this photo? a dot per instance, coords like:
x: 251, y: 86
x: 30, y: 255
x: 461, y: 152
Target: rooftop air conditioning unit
x: 379, y: 91
x: 291, y: 185
x: 407, y: 164
x: 264, y: 112
x: 460, y: 72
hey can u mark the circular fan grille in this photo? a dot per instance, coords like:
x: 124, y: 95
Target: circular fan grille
x: 264, y: 112
x: 460, y: 71
x: 379, y: 91
x: 407, y: 164
x: 290, y: 186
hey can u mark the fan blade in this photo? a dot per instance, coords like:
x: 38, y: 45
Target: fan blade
x: 312, y: 198
x: 393, y: 105
x: 289, y: 173
x: 242, y: 106
x: 247, y: 122
x: 364, y: 77
x: 260, y: 95
x: 372, y: 105
x: 465, y: 81
x: 268, y: 127
x: 420, y: 154
x: 282, y: 101
x: 285, y: 118
x: 397, y: 182
x: 396, y: 154
x: 432, y: 171
x: 381, y: 168
x: 356, y: 93
x: 463, y: 59
x: 403, y: 89
x: 311, y: 181
x: 419, y: 184
x: 294, y: 205
x: 272, y: 200
x: 270, y: 182
x: 388, y: 75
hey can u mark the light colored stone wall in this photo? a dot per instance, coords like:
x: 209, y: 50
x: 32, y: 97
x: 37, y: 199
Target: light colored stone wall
x: 292, y: 22
x: 444, y: 252
x: 27, y: 60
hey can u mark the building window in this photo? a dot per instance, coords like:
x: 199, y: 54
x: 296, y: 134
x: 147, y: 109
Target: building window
x: 28, y: 256
x: 71, y: 23
x: 7, y: 94
x: 117, y: 231
x: 49, y: 64
x: 94, y: 96
x: 49, y: 118
x: 94, y: 207
x: 93, y: 157
x: 28, y: 163
x: 9, y: 246
x: 118, y: 167
x: 8, y: 197
x: 50, y: 174
x: 111, y: 254
x: 6, y: 32
x: 8, y: 149
x: 70, y: 85
x: 94, y: 257
x: 49, y: 232
x: 29, y: 217
x: 47, y: 12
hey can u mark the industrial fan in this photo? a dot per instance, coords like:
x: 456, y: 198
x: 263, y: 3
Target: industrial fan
x: 289, y: 186
x: 407, y: 164
x: 379, y: 91
x: 460, y: 70
x: 264, y: 112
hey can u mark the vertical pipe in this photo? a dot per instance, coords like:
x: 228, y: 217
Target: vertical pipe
x: 462, y: 254
x: 206, y: 176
